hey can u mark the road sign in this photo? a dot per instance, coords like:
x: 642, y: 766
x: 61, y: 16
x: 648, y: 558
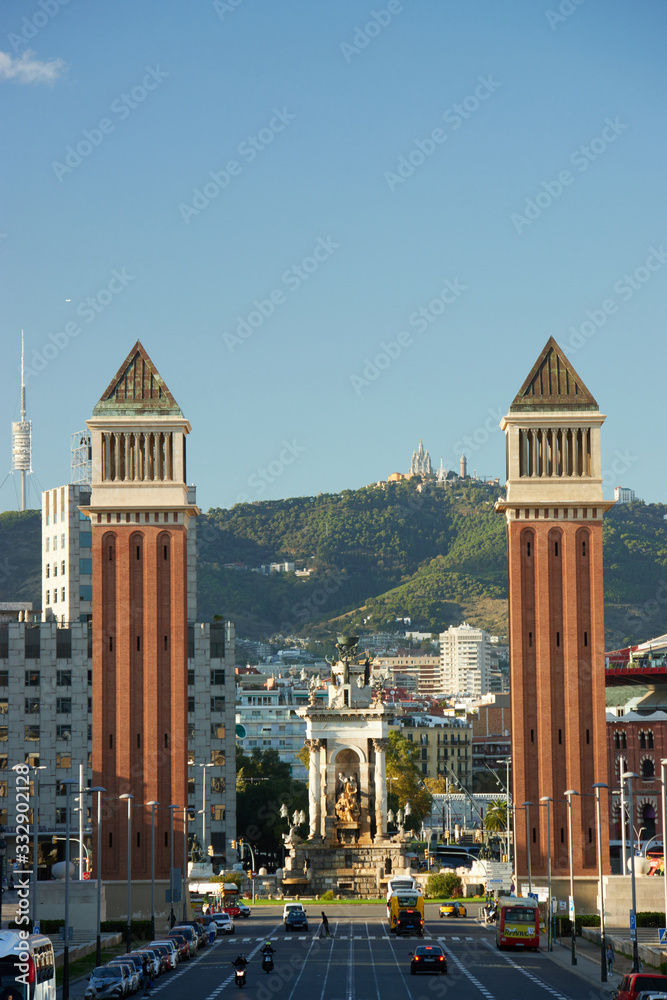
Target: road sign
x: 571, y: 907
x: 562, y: 906
x: 662, y: 935
x: 554, y: 904
x: 240, y: 731
x: 37, y: 929
x: 633, y: 925
x: 498, y: 868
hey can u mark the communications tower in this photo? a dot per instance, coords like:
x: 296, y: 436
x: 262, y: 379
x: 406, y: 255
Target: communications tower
x: 22, y: 438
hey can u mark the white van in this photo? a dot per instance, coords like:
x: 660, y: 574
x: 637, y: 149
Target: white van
x: 289, y: 907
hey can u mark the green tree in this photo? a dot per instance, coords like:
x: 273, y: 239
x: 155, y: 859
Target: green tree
x: 405, y: 781
x: 495, y: 818
x: 444, y: 886
x: 264, y: 784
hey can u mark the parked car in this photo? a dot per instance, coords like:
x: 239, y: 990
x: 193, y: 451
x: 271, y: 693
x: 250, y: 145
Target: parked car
x: 223, y: 922
x: 199, y: 930
x: 182, y: 944
x: 173, y: 949
x: 636, y: 983
x: 132, y: 974
x: 453, y: 910
x: 428, y: 958
x: 152, y: 959
x: 191, y: 935
x: 296, y: 921
x: 107, y: 983
x: 166, y: 951
x: 137, y: 964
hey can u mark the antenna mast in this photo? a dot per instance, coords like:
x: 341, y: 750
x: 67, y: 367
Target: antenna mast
x: 22, y: 436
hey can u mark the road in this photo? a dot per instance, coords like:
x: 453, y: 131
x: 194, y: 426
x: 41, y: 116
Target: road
x: 362, y: 961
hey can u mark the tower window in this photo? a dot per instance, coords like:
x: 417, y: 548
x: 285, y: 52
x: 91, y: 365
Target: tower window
x: 560, y: 735
x: 110, y: 839
x: 138, y: 643
x: 590, y: 836
x: 166, y: 740
x: 583, y: 548
x: 138, y: 552
x: 110, y: 741
x: 166, y: 839
x: 111, y: 644
x: 555, y: 548
x: 111, y: 553
x: 138, y: 839
x: 527, y: 548
x: 534, y: 835
x: 138, y: 741
x: 530, y: 638
x: 166, y: 641
x: 588, y: 736
x: 558, y: 638
x: 562, y: 835
x: 585, y: 638
x: 165, y: 552
x: 532, y: 736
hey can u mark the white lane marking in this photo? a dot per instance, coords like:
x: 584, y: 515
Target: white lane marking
x: 369, y: 938
x: 349, y: 990
x: 225, y: 982
x: 526, y: 972
x: 400, y: 971
x: 468, y: 974
x: 326, y: 974
x: 303, y: 966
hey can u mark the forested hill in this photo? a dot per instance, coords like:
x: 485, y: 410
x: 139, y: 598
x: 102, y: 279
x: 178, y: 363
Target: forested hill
x: 378, y: 555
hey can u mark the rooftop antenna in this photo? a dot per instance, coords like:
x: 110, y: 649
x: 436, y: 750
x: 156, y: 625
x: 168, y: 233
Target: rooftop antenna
x: 22, y: 436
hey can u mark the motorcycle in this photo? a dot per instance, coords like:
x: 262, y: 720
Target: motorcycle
x: 239, y: 975
x: 267, y: 962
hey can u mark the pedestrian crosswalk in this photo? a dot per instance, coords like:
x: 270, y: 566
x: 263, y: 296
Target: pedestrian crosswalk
x: 342, y: 935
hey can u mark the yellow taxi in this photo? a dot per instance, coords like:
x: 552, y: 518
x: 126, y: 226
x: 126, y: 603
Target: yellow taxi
x: 453, y: 910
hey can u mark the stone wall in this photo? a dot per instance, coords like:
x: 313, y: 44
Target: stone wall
x: 347, y: 871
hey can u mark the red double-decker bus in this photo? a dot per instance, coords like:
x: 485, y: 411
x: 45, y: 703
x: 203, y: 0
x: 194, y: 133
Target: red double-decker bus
x: 518, y: 924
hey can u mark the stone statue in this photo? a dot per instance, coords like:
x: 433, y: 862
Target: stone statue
x: 347, y: 807
x: 196, y: 852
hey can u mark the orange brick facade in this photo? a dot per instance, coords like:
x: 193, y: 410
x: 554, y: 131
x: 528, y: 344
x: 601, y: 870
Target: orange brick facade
x: 139, y: 688
x: 557, y: 687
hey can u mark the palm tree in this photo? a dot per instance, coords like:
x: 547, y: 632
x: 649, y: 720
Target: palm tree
x: 495, y: 819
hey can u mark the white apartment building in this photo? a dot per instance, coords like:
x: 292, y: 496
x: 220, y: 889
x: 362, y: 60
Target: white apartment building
x: 271, y: 723
x: 67, y: 566
x: 624, y: 495
x: 465, y: 658
x: 425, y: 670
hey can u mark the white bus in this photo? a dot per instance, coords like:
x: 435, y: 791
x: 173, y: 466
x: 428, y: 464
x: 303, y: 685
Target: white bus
x: 27, y: 965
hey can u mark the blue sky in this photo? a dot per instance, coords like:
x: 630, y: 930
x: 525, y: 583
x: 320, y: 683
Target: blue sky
x: 268, y: 194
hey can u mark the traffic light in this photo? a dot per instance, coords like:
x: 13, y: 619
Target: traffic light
x: 210, y: 850
x: 233, y: 843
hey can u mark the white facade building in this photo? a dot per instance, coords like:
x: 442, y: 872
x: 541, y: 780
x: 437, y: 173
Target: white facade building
x: 271, y: 723
x: 624, y: 495
x: 67, y: 566
x: 465, y: 658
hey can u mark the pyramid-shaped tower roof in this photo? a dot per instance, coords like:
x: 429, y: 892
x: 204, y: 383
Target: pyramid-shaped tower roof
x: 137, y: 389
x: 553, y: 384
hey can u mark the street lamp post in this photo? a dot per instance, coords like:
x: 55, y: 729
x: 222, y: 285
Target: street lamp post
x: 663, y: 766
x: 3, y: 851
x: 527, y: 806
x: 172, y: 915
x: 128, y: 936
x: 98, y: 865
x: 68, y: 782
x: 624, y: 843
x: 153, y: 804
x: 547, y: 799
x: 186, y: 818
x: 629, y: 777
x: 507, y: 761
x: 203, y: 810
x: 603, y: 945
x: 568, y: 796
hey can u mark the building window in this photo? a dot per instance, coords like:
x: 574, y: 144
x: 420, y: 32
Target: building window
x: 64, y: 731
x: 31, y: 640
x: 4, y: 706
x: 85, y: 539
x: 32, y: 759
x: 48, y: 544
x: 48, y: 570
x: 4, y: 678
x: 86, y: 592
x: 217, y: 785
x: 64, y: 678
x: 31, y: 734
x: 218, y: 703
x: 62, y: 568
x: 218, y: 757
x: 62, y: 540
x: 217, y: 677
x: 191, y: 704
x: 191, y: 731
x: 63, y: 760
x: 31, y: 706
x: 63, y: 706
x: 218, y: 813
x: 55, y: 569
x: 4, y: 734
x: 191, y: 678
x: 62, y: 594
x: 85, y: 567
x: 648, y: 768
x: 217, y: 731
x: 191, y: 786
x: 55, y: 543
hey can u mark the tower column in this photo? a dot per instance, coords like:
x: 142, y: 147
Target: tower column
x: 314, y: 790
x: 380, y: 747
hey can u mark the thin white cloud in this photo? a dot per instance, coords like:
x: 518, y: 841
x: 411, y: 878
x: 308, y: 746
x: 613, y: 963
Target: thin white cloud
x: 27, y: 69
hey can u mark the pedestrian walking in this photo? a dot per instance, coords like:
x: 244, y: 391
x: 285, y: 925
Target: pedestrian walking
x: 610, y: 957
x: 146, y: 979
x: 324, y: 929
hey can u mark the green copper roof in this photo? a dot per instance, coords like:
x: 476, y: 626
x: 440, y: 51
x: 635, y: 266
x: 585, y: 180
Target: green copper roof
x: 553, y: 384
x: 137, y: 389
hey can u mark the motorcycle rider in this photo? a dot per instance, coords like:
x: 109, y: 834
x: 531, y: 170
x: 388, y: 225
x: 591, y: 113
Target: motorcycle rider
x: 268, y: 949
x: 240, y: 962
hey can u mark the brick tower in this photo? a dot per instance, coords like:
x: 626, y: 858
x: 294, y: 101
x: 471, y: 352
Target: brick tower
x: 554, y: 511
x: 139, y: 512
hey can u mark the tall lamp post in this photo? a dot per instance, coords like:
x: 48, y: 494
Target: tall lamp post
x: 172, y: 915
x: 3, y: 851
x: 624, y: 841
x: 98, y: 866
x: 507, y: 761
x: 598, y: 814
x: 128, y: 934
x: 629, y: 776
x: 68, y: 782
x: 663, y: 765
x: 186, y: 817
x: 153, y: 804
x: 547, y: 799
x: 568, y: 796
x: 527, y: 806
x: 203, y: 807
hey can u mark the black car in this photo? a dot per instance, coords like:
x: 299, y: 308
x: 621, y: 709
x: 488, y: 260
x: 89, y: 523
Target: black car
x: 296, y: 921
x: 428, y: 958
